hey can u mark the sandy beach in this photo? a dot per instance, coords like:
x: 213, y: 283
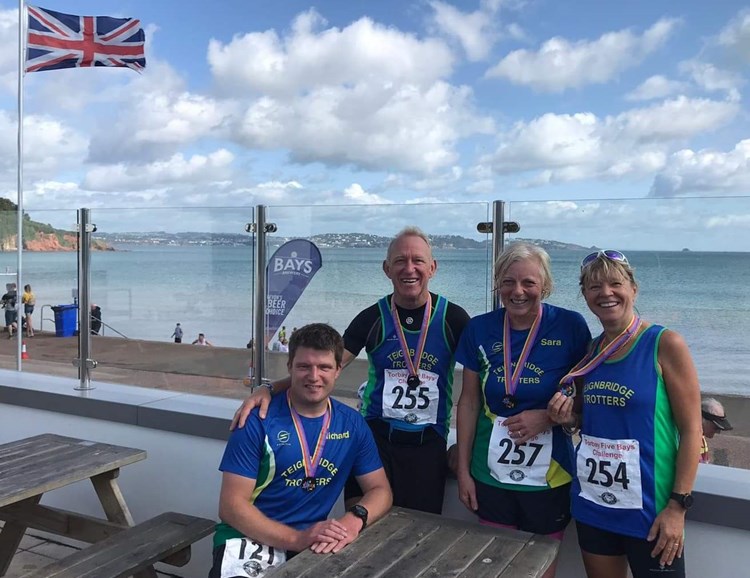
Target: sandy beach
x: 219, y: 371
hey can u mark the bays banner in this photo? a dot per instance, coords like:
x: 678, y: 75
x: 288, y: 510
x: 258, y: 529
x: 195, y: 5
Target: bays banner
x: 288, y: 272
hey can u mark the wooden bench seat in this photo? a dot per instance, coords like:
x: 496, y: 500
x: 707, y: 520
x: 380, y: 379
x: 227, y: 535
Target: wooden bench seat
x: 134, y: 550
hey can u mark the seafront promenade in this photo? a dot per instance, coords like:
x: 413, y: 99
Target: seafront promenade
x: 219, y: 371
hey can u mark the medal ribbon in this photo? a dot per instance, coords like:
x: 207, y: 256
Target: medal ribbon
x: 413, y: 363
x: 311, y: 461
x: 515, y: 375
x: 591, y: 361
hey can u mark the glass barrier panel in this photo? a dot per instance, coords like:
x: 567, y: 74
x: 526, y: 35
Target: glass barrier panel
x: 693, y: 271
x: 172, y: 298
x: 353, y: 241
x: 49, y: 266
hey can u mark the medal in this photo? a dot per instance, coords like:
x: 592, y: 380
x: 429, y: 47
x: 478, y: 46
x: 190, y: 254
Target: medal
x: 513, y: 376
x: 591, y: 361
x: 310, y: 462
x: 413, y: 363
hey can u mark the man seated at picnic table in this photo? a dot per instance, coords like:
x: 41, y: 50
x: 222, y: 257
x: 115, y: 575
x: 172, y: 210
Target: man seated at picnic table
x: 282, y: 475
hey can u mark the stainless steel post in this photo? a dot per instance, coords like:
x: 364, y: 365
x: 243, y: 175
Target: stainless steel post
x: 498, y: 243
x: 84, y: 300
x: 259, y: 340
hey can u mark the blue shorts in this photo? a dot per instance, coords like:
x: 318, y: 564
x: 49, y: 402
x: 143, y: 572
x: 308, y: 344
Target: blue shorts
x: 10, y: 317
x: 28, y: 309
x: 637, y: 550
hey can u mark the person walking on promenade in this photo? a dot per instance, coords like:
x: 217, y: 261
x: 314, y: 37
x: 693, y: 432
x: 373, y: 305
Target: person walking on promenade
x: 201, y: 340
x: 29, y: 301
x: 271, y: 513
x: 410, y: 337
x: 177, y: 333
x: 8, y: 301
x: 714, y: 421
x: 640, y: 428
x: 514, y: 468
x: 282, y: 334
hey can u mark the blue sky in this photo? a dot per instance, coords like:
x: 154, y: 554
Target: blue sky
x: 560, y: 107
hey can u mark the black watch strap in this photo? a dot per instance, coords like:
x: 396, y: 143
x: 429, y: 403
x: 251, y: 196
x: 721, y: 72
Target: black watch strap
x: 685, y: 500
x: 361, y: 512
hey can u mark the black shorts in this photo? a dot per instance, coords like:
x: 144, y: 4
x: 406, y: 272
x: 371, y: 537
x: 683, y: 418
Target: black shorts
x: 540, y: 512
x: 28, y: 309
x: 637, y: 550
x: 416, y: 466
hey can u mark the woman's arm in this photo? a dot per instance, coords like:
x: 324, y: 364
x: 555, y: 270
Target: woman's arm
x: 681, y: 381
x: 466, y: 426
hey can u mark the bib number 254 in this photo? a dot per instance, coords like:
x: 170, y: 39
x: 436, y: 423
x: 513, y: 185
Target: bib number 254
x: 605, y: 473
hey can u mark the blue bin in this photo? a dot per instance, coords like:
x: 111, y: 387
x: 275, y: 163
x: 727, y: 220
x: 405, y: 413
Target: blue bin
x: 66, y: 319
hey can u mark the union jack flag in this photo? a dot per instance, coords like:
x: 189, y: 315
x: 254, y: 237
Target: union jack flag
x: 56, y: 40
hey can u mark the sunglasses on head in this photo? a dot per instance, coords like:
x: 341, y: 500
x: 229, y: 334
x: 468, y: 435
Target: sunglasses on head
x: 610, y: 254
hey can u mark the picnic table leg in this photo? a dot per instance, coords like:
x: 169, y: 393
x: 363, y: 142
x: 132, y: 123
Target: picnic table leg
x: 116, y: 509
x: 10, y: 538
x: 111, y: 498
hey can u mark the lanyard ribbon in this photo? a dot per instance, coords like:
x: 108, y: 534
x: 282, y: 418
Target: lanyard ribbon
x: 513, y: 377
x: 413, y: 363
x: 591, y: 361
x: 311, y: 462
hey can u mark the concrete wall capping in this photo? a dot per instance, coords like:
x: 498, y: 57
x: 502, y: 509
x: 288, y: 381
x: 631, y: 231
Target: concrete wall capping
x: 201, y: 416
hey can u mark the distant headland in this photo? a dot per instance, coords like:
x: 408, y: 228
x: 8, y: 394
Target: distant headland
x: 323, y: 241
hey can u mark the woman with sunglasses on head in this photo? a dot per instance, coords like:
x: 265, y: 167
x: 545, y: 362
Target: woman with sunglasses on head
x: 638, y: 410
x: 514, y: 468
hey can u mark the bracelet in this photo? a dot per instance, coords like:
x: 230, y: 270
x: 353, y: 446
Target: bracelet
x: 572, y: 430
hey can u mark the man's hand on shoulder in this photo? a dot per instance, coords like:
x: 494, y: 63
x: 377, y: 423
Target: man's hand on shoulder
x: 261, y: 398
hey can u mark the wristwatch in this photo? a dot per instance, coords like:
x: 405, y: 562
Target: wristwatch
x: 685, y: 500
x: 361, y: 513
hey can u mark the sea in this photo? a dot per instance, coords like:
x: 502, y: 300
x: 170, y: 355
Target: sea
x: 144, y: 290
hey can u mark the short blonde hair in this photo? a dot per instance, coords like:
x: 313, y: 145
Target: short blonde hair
x: 521, y: 251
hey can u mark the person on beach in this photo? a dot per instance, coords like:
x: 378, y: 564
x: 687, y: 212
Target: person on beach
x: 410, y: 337
x: 201, y: 340
x: 8, y: 301
x: 513, y: 464
x: 29, y: 301
x: 283, y: 474
x: 96, y: 319
x: 177, y: 333
x: 638, y: 411
x: 714, y: 421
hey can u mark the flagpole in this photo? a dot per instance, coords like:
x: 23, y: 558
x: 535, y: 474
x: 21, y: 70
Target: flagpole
x: 19, y: 286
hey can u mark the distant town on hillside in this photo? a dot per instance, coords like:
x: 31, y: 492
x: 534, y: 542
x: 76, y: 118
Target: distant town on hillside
x: 323, y: 241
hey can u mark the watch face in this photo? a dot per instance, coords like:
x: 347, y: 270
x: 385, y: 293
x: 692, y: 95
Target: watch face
x: 687, y: 501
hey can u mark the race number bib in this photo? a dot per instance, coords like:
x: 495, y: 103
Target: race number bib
x: 417, y: 405
x: 610, y: 472
x: 524, y: 464
x: 245, y: 558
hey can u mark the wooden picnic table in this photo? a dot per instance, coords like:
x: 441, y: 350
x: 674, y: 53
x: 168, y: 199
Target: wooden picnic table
x: 407, y: 543
x: 35, y: 465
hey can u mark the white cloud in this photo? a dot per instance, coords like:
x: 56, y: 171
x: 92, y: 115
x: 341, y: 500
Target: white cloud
x: 366, y: 94
x: 9, y: 50
x: 475, y: 31
x: 736, y: 35
x: 572, y: 147
x: 712, y: 79
x: 705, y: 171
x: 561, y: 64
x: 654, y: 87
x: 356, y: 194
x: 311, y: 57
x: 197, y: 169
